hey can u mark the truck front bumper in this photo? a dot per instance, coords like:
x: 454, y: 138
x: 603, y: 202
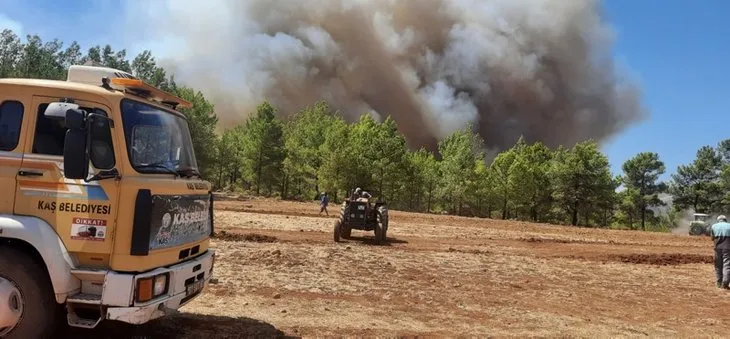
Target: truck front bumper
x: 142, y: 314
x: 181, y: 277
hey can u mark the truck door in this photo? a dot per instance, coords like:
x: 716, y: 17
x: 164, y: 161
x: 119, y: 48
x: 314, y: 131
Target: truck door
x: 70, y: 206
x: 11, y: 148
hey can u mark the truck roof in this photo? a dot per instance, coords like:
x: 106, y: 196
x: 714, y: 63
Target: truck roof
x: 60, y: 84
x: 84, y: 87
x: 103, y: 81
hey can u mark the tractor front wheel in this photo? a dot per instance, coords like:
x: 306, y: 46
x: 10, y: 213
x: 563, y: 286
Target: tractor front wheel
x: 346, y: 232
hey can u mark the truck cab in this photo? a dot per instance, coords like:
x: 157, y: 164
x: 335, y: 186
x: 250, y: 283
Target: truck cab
x: 104, y: 213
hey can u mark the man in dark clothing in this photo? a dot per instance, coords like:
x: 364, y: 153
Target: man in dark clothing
x: 359, y: 193
x: 323, y: 203
x: 721, y: 238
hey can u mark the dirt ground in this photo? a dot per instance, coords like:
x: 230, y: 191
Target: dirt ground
x: 280, y: 274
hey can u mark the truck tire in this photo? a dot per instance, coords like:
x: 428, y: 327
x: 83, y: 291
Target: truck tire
x: 26, y: 290
x: 337, y: 230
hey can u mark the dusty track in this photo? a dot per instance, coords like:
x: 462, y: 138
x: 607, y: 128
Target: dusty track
x: 443, y: 276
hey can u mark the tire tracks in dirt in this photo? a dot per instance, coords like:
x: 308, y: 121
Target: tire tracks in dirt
x: 543, y: 248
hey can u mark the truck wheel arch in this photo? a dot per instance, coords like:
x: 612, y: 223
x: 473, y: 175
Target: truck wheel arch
x: 37, y: 238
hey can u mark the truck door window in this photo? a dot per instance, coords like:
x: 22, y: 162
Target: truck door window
x: 11, y: 118
x: 49, y: 134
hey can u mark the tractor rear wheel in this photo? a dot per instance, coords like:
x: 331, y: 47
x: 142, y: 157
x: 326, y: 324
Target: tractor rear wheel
x: 379, y: 236
x: 383, y: 222
x: 345, y: 231
x: 381, y: 225
x: 337, y: 230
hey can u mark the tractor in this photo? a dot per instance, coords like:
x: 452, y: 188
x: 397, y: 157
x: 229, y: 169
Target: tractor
x: 360, y: 214
x: 699, y: 226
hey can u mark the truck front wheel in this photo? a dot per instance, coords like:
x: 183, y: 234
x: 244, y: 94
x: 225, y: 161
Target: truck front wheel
x: 28, y: 307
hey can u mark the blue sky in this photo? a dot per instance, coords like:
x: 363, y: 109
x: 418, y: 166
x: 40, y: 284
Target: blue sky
x: 677, y: 49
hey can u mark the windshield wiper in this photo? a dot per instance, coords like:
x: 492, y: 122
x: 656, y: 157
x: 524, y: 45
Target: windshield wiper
x: 162, y: 166
x: 188, y: 172
x: 109, y: 174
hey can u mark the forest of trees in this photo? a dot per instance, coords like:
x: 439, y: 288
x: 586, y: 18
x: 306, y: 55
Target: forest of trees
x: 317, y: 150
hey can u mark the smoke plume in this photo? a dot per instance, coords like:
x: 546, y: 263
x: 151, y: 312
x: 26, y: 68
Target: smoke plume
x: 542, y: 69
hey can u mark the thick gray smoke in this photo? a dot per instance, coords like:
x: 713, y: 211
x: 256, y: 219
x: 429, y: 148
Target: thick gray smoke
x: 538, y: 68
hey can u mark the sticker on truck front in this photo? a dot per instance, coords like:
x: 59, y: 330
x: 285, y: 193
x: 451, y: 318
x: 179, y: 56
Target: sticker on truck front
x: 88, y: 229
x: 179, y: 220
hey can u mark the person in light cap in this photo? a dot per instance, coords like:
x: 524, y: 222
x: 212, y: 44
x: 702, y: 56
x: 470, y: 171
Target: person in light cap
x: 720, y: 234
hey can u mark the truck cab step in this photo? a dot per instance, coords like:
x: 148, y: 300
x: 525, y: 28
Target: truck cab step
x: 89, y: 274
x: 76, y: 321
x: 84, y: 310
x: 85, y: 298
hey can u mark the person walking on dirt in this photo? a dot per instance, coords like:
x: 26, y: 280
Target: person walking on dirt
x: 721, y: 238
x: 323, y: 203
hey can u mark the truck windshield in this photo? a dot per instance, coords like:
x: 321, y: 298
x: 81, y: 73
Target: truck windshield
x: 158, y: 141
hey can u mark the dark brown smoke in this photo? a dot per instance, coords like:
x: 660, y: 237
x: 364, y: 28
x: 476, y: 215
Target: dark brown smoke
x: 541, y: 69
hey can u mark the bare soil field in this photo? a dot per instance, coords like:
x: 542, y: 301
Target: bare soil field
x: 280, y: 274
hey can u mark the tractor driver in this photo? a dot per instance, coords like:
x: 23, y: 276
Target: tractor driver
x: 360, y: 194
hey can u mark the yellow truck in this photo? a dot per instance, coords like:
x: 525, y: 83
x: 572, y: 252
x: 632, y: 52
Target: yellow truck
x: 103, y: 214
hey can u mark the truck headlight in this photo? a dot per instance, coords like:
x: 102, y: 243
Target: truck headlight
x: 152, y: 287
x: 160, y: 285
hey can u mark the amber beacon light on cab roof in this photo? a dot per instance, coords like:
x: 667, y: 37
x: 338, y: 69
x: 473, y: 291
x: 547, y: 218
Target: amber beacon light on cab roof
x: 104, y: 213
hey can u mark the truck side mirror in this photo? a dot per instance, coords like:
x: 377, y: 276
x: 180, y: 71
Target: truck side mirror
x: 76, y: 119
x: 75, y: 155
x: 101, y: 152
x: 75, y: 148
